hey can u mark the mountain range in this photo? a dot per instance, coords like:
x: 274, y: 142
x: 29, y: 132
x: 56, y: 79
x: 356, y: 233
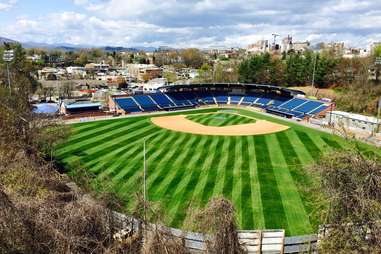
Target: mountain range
x: 74, y: 47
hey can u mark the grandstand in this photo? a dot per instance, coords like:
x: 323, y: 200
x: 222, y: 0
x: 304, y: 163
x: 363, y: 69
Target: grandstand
x: 272, y: 99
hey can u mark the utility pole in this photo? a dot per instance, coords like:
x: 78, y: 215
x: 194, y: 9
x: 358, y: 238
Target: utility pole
x: 8, y: 57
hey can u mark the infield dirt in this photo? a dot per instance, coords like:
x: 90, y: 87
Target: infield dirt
x: 181, y: 124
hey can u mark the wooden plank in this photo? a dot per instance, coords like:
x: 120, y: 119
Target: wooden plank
x: 268, y: 241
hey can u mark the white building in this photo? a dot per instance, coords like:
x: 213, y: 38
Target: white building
x: 76, y: 71
x: 154, y: 84
x: 352, y: 121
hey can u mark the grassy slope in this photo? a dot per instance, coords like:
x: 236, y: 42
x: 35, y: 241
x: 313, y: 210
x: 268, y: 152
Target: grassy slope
x: 263, y: 175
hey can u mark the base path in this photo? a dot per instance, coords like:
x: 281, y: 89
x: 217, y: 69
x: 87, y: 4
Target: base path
x: 182, y: 124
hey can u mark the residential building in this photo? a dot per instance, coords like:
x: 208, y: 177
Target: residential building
x: 154, y: 84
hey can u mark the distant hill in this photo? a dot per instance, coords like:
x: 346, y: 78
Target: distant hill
x: 75, y: 47
x: 6, y: 40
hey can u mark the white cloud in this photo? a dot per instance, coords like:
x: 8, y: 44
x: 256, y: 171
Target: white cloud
x: 201, y: 23
x: 7, y: 5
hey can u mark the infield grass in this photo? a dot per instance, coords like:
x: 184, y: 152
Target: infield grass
x: 265, y: 176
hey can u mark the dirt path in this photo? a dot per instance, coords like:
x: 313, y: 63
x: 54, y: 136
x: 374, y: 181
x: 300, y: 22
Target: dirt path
x: 182, y: 124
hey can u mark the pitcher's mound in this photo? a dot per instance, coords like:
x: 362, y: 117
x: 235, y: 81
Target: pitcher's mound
x: 182, y: 124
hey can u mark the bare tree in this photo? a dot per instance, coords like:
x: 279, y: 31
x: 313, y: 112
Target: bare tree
x: 351, y: 187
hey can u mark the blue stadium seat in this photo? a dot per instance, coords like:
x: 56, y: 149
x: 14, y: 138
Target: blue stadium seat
x: 207, y: 98
x: 308, y: 107
x: 146, y: 103
x: 235, y: 99
x: 162, y: 100
x: 249, y: 99
x: 221, y: 98
x: 293, y: 103
x: 127, y: 104
x: 179, y: 99
x: 318, y: 110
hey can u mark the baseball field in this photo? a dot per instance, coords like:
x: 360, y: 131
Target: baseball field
x: 263, y: 174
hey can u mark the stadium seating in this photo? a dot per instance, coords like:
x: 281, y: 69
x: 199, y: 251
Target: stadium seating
x: 249, y: 99
x: 179, y: 100
x: 235, y: 99
x: 162, y: 100
x: 127, y: 104
x: 146, y: 102
x: 221, y: 98
x: 272, y: 103
x: 293, y: 103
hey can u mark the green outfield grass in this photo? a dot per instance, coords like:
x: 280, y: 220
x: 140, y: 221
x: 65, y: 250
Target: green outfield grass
x: 222, y: 118
x: 265, y: 176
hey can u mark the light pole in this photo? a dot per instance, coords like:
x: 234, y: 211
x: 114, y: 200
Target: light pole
x: 145, y: 194
x: 8, y: 57
x: 313, y: 72
x: 378, y: 116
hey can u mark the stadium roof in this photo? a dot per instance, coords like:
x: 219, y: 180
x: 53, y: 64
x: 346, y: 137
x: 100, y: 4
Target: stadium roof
x: 82, y: 105
x: 232, y: 85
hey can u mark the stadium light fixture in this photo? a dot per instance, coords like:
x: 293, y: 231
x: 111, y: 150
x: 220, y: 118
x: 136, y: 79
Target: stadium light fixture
x: 8, y: 57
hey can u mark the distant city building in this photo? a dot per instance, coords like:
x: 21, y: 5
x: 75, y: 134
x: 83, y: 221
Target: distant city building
x: 261, y: 46
x: 144, y: 72
x: 288, y: 45
x: 355, y: 52
x: 336, y: 48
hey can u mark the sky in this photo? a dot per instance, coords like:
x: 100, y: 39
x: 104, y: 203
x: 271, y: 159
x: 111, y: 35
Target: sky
x: 190, y: 23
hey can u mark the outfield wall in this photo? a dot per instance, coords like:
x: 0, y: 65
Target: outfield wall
x: 254, y: 241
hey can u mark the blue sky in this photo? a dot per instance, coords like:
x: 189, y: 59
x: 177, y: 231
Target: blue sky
x: 192, y: 23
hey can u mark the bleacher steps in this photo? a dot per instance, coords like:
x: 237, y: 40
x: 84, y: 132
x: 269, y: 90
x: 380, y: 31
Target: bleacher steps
x: 316, y: 108
x: 241, y: 100
x: 132, y: 97
x: 157, y: 105
x: 215, y: 100
x: 300, y: 105
x: 229, y: 100
x: 169, y: 98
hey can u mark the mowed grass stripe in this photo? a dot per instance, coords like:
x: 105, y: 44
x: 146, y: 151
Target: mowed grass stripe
x: 209, y: 155
x: 311, y: 147
x: 212, y: 172
x: 168, y: 163
x: 126, y: 153
x: 229, y: 168
x: 257, y: 207
x: 221, y: 169
x: 297, y: 219
x: 295, y: 167
x: 271, y: 199
x: 164, y: 155
x: 236, y: 190
x: 125, y: 140
x: 171, y: 183
x: 247, y: 221
x: 196, y: 165
x: 98, y: 139
x: 332, y: 143
x: 98, y: 131
x: 127, y: 171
